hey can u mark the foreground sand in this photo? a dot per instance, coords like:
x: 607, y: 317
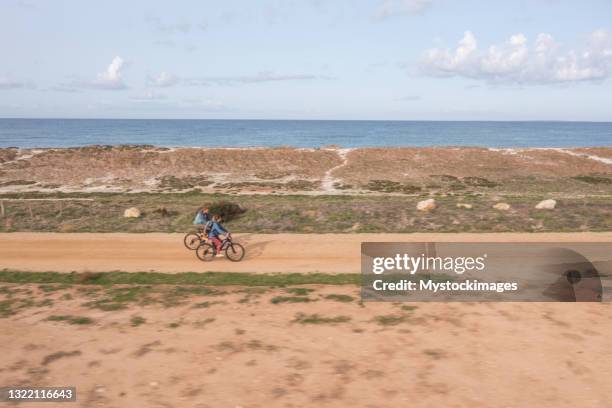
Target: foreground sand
x: 252, y: 353
x: 328, y: 253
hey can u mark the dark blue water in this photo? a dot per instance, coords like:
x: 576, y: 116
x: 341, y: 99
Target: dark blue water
x: 299, y: 133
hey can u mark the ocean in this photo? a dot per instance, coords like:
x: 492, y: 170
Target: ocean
x: 299, y: 133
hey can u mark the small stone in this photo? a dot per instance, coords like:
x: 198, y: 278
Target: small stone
x: 502, y: 206
x: 464, y: 205
x: 426, y: 205
x: 154, y: 384
x: 132, y: 213
x: 546, y: 205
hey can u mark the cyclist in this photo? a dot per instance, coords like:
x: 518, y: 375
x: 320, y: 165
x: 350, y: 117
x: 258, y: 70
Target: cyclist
x: 216, y: 229
x: 202, y: 218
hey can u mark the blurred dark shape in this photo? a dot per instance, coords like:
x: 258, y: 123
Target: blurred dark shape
x: 577, y: 279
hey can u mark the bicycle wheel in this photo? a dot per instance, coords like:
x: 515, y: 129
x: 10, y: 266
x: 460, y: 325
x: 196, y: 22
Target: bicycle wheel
x: 192, y: 241
x: 234, y: 252
x: 205, y: 252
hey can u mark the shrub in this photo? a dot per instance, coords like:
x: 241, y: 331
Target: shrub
x: 226, y: 209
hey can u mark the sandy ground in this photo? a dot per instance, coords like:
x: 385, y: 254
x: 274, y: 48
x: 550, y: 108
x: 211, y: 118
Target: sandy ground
x: 327, y: 253
x: 254, y: 354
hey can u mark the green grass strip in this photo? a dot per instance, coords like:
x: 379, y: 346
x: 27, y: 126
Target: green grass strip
x: 185, y: 278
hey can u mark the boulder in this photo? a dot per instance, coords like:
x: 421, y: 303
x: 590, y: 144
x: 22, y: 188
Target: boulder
x: 502, y: 206
x: 132, y: 213
x: 464, y: 205
x: 546, y: 205
x: 426, y: 205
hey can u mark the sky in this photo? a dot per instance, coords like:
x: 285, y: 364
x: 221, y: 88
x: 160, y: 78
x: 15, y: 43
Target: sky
x: 308, y: 59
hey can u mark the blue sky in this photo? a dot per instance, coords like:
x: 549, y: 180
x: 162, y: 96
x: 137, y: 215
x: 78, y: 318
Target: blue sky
x: 309, y: 59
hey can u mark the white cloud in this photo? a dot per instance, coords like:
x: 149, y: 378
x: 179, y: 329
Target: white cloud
x: 111, y: 78
x: 392, y: 8
x: 164, y: 80
x: 545, y: 61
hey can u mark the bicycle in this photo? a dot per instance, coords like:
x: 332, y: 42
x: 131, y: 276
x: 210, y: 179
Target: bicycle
x: 233, y: 251
x: 194, y: 239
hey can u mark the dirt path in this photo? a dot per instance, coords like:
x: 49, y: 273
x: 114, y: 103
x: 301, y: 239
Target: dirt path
x: 327, y: 184
x: 327, y: 253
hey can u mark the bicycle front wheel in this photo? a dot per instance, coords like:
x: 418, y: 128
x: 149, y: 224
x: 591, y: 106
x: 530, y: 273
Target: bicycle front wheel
x: 205, y: 252
x: 234, y: 252
x: 192, y: 241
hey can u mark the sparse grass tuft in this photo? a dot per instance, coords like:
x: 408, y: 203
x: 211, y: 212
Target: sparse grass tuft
x: 77, y: 320
x: 316, y: 319
x: 340, y: 298
x: 137, y: 321
x: 594, y: 179
x: 60, y: 354
x: 391, y: 320
x: 290, y: 299
x: 299, y: 291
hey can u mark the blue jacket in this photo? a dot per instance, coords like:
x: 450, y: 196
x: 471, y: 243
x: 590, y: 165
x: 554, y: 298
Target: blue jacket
x: 216, y: 230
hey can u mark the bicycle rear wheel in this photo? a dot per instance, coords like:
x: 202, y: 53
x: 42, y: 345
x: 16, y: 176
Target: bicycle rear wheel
x: 192, y: 241
x: 205, y: 252
x: 234, y: 252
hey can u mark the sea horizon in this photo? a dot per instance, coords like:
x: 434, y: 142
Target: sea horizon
x: 301, y: 133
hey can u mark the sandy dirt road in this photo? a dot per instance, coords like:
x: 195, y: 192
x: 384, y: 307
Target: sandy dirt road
x: 159, y: 252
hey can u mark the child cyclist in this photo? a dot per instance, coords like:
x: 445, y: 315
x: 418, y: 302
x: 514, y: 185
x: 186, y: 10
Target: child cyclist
x: 216, y: 229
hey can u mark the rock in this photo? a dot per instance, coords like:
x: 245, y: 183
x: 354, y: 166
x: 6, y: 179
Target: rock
x: 132, y: 213
x: 502, y: 206
x: 464, y: 205
x: 426, y: 205
x: 546, y: 205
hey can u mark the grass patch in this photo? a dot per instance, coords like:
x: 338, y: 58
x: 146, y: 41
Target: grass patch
x: 185, y: 278
x: 6, y: 308
x: 408, y: 308
x: 60, y: 354
x: 317, y: 319
x: 340, y: 298
x: 10, y: 307
x: 205, y: 305
x: 173, y: 212
x: 593, y: 179
x: 299, y: 291
x: 53, y: 288
x: 77, y: 320
x: 391, y: 320
x: 137, y: 321
x: 290, y: 299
